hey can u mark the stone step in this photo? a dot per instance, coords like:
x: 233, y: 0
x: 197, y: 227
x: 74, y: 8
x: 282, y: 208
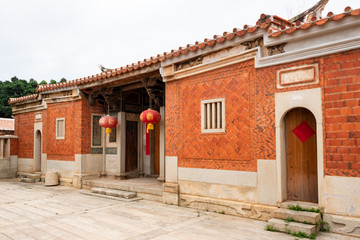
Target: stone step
x: 292, y: 227
x: 27, y: 180
x: 35, y: 176
x: 88, y: 192
x: 299, y: 216
x: 113, y: 192
x: 305, y: 205
x: 145, y: 188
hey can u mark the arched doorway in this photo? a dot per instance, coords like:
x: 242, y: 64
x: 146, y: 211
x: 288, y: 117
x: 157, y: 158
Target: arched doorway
x: 301, y: 155
x: 37, y: 153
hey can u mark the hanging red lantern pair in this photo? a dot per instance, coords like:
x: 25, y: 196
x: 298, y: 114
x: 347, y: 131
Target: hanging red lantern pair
x: 150, y: 117
x: 108, y: 122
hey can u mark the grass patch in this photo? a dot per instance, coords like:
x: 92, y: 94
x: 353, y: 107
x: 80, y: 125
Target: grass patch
x: 271, y: 228
x: 290, y: 219
x: 298, y: 208
x: 303, y: 235
x: 324, y: 226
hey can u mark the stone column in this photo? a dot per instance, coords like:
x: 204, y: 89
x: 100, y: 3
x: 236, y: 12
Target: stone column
x: 162, y: 145
x: 122, y: 143
x: 103, y: 139
x: 1, y: 148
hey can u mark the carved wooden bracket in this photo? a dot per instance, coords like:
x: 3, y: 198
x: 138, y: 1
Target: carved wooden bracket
x: 153, y: 89
x: 111, y: 96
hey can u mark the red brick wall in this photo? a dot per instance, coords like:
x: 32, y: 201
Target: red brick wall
x: 342, y: 114
x: 14, y: 146
x: 60, y: 149
x: 77, y: 140
x: 250, y: 129
x: 24, y: 129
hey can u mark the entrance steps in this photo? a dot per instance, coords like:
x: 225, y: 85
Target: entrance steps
x: 112, y: 194
x: 145, y: 188
x: 29, y: 177
x: 296, y: 218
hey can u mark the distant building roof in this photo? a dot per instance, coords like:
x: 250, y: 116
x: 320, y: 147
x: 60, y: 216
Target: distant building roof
x: 7, y: 124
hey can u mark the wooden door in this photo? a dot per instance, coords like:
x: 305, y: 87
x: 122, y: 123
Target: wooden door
x: 157, y: 149
x: 301, y: 157
x: 131, y: 146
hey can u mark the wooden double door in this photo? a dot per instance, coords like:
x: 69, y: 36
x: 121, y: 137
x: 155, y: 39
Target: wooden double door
x: 131, y: 162
x: 301, y: 155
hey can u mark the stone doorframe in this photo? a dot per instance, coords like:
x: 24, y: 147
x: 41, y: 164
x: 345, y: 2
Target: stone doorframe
x: 284, y: 102
x: 38, y: 129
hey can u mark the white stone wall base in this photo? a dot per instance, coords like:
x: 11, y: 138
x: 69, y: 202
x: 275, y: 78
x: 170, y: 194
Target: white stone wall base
x: 219, y: 191
x: 78, y: 179
x: 68, y: 182
x: 255, y: 211
x: 343, y: 225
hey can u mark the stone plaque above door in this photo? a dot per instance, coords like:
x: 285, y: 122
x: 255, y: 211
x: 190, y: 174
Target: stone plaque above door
x: 298, y: 76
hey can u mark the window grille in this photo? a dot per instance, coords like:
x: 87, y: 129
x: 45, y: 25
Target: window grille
x: 213, y: 115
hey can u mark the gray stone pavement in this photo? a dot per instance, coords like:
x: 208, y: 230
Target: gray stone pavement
x: 33, y: 211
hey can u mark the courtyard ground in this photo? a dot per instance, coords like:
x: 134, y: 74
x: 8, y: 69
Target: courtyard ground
x: 33, y: 211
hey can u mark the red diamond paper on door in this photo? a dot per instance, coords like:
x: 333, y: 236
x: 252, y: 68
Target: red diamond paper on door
x: 303, y: 131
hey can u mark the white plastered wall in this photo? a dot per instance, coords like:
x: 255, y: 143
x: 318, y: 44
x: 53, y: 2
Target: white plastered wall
x: 284, y: 102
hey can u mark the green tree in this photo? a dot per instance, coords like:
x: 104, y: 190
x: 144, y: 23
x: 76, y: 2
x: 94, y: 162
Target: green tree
x: 14, y: 88
x: 17, y: 88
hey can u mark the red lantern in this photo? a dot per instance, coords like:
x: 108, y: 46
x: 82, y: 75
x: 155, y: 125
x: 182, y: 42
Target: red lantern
x: 149, y: 117
x: 108, y: 122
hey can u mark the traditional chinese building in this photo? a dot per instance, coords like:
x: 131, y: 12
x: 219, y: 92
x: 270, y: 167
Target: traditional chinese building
x: 250, y: 119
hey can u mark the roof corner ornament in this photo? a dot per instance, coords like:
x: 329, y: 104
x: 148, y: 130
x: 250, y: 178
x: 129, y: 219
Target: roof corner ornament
x: 104, y: 69
x: 314, y: 11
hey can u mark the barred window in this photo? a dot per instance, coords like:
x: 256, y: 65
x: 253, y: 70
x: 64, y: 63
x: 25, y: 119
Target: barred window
x: 213, y: 115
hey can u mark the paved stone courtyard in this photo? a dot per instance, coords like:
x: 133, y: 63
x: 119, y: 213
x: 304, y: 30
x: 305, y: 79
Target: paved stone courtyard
x: 33, y: 211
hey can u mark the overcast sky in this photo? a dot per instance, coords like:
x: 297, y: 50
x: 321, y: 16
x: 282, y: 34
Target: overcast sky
x: 51, y: 39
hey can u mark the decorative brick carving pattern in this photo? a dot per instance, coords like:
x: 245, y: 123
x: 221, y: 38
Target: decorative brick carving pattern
x: 237, y: 148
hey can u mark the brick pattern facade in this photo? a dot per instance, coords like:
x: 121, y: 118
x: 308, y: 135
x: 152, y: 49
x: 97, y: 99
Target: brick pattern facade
x: 342, y: 114
x: 239, y: 147
x: 77, y: 140
x: 60, y: 149
x: 14, y: 146
x: 250, y: 111
x: 24, y: 129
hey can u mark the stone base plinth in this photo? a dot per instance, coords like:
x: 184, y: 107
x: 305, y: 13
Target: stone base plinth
x: 171, y: 193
